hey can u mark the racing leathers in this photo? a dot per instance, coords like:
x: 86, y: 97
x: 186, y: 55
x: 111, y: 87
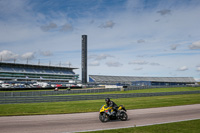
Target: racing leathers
x: 113, y: 105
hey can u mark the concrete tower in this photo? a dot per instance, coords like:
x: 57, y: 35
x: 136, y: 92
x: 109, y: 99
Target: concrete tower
x: 84, y: 59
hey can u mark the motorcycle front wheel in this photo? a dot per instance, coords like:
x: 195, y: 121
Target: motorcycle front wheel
x: 103, y: 117
x: 123, y: 116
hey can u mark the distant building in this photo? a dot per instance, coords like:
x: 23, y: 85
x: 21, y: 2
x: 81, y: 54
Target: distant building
x: 13, y: 72
x: 140, y: 81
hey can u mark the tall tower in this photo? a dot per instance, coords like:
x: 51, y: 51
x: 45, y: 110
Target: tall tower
x: 84, y: 59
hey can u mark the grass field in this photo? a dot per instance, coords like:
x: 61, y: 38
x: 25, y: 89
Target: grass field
x: 130, y: 103
x: 176, y: 127
x: 94, y: 105
x: 142, y: 91
x: 132, y: 91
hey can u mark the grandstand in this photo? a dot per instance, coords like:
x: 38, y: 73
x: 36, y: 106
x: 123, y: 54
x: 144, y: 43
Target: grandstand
x: 13, y: 72
x: 140, y: 81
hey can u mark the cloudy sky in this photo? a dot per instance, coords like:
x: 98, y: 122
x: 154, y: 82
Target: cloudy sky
x: 157, y: 38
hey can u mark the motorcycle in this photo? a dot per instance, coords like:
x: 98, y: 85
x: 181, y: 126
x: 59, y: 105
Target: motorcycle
x: 107, y: 113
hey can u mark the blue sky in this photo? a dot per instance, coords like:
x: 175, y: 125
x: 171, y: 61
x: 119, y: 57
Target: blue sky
x: 125, y: 37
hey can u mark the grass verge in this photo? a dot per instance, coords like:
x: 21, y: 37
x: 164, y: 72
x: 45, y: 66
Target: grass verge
x: 141, y: 91
x: 94, y: 105
x: 176, y: 127
x: 119, y: 92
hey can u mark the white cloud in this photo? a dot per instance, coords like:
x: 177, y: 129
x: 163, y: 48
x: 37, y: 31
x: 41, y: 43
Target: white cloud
x: 94, y: 63
x: 154, y: 64
x: 164, y: 12
x: 138, y: 62
x: 138, y: 68
x: 198, y: 68
x: 183, y: 68
x: 6, y: 55
x: 100, y: 57
x: 48, y: 27
x: 195, y: 45
x: 46, y: 53
x: 108, y: 24
x: 66, y: 27
x: 113, y: 64
x: 174, y: 46
x: 28, y: 55
x: 53, y: 26
x: 141, y: 41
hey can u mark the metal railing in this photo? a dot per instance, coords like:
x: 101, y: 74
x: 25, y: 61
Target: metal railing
x: 42, y: 93
x: 39, y: 99
x: 76, y: 91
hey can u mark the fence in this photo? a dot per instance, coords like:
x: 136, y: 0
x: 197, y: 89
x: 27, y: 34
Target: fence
x: 42, y: 93
x: 38, y: 99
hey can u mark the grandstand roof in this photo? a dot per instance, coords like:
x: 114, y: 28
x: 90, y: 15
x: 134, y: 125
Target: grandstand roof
x: 34, y: 66
x: 106, y: 79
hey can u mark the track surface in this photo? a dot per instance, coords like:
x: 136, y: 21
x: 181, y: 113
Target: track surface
x: 89, y: 121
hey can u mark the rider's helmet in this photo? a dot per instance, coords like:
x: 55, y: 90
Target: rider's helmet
x: 107, y: 100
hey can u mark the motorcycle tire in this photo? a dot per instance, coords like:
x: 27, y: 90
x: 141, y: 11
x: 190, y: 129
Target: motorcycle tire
x: 103, y: 117
x: 123, y: 116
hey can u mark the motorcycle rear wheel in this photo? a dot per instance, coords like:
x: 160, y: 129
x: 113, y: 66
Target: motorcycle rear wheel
x: 123, y: 116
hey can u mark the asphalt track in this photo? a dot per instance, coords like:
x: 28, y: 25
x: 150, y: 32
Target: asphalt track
x: 89, y: 121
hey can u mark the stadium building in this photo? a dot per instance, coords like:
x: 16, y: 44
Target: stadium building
x: 140, y: 81
x: 13, y: 72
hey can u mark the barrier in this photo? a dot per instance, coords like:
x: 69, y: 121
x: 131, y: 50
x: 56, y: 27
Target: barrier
x: 42, y: 93
x: 39, y: 99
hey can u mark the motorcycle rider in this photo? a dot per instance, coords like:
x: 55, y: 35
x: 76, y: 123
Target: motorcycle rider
x: 111, y: 104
